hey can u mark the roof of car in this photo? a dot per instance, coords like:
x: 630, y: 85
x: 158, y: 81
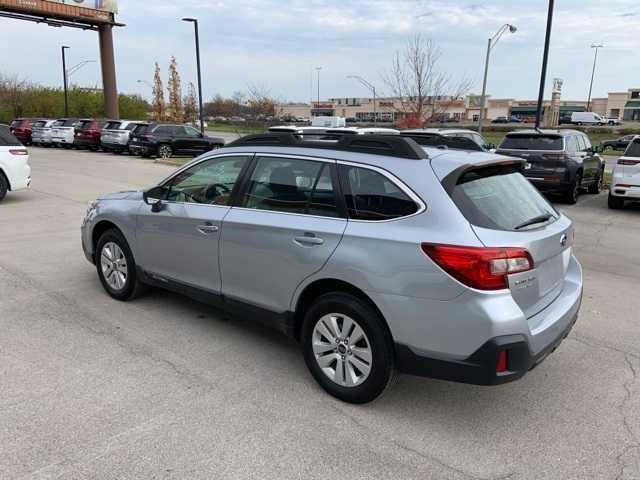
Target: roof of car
x: 439, y: 131
x: 546, y: 131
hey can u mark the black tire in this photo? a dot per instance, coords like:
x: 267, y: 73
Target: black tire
x: 132, y: 286
x: 615, y: 203
x: 4, y: 186
x: 572, y: 194
x: 165, y: 151
x: 596, y: 187
x: 382, y: 370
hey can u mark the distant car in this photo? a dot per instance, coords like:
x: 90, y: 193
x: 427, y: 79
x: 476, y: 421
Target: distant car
x: 625, y: 181
x: 558, y: 161
x: 167, y: 140
x: 21, y: 129
x: 88, y: 134
x: 611, y: 121
x: 514, y: 119
x: 15, y: 172
x: 63, y: 132
x: 500, y: 120
x: 586, y: 118
x: 41, y: 132
x: 237, y: 119
x: 618, y: 144
x: 455, y: 138
x: 364, y: 131
x: 116, y: 134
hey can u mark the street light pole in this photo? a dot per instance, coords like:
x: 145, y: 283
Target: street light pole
x: 195, y: 25
x: 64, y: 80
x: 593, y: 72
x: 373, y: 89
x: 545, y: 59
x: 318, y: 70
x: 490, y: 44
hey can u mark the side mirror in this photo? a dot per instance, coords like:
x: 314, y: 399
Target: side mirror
x: 153, y: 197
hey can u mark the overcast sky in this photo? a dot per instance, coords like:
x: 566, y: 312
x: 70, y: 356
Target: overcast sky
x: 276, y: 44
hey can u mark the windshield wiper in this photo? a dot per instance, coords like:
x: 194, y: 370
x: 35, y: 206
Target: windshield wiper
x: 532, y: 221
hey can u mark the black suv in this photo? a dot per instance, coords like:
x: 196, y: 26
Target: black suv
x: 166, y: 140
x: 558, y: 161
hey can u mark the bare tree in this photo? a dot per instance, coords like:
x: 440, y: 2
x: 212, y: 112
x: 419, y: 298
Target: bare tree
x: 158, y: 106
x: 176, y: 110
x: 423, y: 91
x: 191, y: 105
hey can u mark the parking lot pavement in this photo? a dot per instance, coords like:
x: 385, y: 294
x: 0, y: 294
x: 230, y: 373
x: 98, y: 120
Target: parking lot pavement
x: 165, y: 387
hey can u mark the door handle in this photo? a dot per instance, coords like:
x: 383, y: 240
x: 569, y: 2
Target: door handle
x: 207, y: 228
x: 308, y: 240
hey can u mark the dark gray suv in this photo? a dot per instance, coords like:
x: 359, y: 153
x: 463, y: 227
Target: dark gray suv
x: 557, y: 161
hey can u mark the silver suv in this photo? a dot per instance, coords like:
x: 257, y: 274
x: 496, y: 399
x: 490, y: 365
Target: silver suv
x: 377, y: 254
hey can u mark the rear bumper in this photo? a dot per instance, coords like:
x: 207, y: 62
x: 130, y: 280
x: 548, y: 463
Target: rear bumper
x: 86, y: 142
x: 142, y: 149
x: 113, y: 145
x: 480, y: 368
x: 548, y: 186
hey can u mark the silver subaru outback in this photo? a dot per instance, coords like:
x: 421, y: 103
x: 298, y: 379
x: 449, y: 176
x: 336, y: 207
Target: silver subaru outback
x: 378, y: 255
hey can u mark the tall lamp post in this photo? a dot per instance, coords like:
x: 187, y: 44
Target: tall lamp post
x: 593, y: 72
x: 370, y: 87
x: 318, y: 69
x: 195, y: 25
x: 64, y: 80
x: 492, y: 43
x: 545, y: 60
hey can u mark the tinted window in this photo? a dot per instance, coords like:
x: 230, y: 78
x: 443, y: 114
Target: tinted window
x: 209, y: 182
x: 40, y: 123
x: 140, y: 129
x: 64, y: 123
x: 132, y: 126
x: 112, y: 125
x: 7, y: 139
x: 292, y: 186
x: 372, y: 196
x: 587, y: 141
x: 164, y: 130
x: 532, y: 142
x: 499, y: 198
x: 572, y: 144
x: 192, y: 132
x: 84, y: 124
x: 633, y: 150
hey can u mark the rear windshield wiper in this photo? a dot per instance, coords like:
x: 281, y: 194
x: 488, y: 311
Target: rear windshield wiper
x: 532, y: 221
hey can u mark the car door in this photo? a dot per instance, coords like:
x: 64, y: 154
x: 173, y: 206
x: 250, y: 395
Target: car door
x: 286, y: 226
x: 591, y: 158
x: 179, y: 242
x: 197, y: 144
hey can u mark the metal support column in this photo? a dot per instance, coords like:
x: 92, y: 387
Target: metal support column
x: 107, y: 60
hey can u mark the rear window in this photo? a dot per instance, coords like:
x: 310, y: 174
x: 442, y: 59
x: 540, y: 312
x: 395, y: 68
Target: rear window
x: 16, y: 123
x: 40, y: 123
x: 7, y: 139
x: 64, y: 123
x: 140, y: 129
x: 133, y: 126
x: 633, y: 150
x: 85, y: 124
x: 532, y: 142
x: 112, y: 125
x: 499, y: 198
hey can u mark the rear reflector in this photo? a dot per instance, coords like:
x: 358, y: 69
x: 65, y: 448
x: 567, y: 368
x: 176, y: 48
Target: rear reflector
x: 480, y: 267
x: 17, y: 151
x: 561, y: 157
x: 501, y: 365
x: 624, y: 161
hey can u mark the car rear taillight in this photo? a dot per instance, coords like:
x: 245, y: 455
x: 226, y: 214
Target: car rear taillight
x: 501, y: 364
x: 626, y: 161
x: 559, y: 157
x: 18, y: 151
x: 483, y: 268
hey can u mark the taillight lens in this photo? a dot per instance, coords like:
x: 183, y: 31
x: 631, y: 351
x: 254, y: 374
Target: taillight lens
x: 625, y: 161
x: 18, y: 151
x: 560, y: 157
x: 479, y: 267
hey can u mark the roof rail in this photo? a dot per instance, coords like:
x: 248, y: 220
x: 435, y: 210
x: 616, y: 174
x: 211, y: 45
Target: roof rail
x: 432, y: 139
x: 389, y: 145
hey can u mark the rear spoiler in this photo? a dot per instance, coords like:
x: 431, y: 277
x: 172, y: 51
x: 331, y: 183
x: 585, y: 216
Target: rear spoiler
x: 451, y: 180
x: 430, y: 139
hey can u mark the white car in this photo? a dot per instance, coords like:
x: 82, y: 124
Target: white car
x: 41, y: 132
x: 625, y: 181
x: 15, y: 172
x: 611, y: 121
x: 63, y: 132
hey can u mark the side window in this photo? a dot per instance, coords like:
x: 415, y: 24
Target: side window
x: 177, y: 131
x: 292, y: 186
x: 209, y: 182
x: 587, y: 142
x: 162, y: 130
x: 192, y: 132
x: 369, y: 195
x: 572, y: 144
x: 582, y: 146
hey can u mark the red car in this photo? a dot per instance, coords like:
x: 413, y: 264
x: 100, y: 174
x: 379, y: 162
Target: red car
x: 88, y: 134
x: 21, y: 129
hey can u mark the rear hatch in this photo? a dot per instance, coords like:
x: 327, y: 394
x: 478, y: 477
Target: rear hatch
x: 505, y: 210
x: 39, y: 128
x: 63, y: 128
x: 112, y: 132
x: 138, y: 133
x: 629, y: 165
x: 544, y: 154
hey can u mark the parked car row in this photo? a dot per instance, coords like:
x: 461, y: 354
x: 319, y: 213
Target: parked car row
x: 116, y: 136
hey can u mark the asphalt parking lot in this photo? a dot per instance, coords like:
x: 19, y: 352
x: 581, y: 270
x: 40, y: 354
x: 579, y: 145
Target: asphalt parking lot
x: 164, y: 387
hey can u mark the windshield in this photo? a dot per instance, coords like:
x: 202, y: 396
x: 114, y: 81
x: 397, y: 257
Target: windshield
x: 532, y: 142
x: 633, y: 150
x: 7, y: 139
x: 500, y: 198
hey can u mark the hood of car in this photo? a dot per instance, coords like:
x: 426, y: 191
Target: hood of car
x: 126, y: 195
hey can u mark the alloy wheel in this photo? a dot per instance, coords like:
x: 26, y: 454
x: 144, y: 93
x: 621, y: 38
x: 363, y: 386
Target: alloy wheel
x: 342, y: 349
x: 114, y: 266
x: 165, y: 151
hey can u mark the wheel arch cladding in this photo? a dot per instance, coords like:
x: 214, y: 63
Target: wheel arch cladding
x: 101, y: 227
